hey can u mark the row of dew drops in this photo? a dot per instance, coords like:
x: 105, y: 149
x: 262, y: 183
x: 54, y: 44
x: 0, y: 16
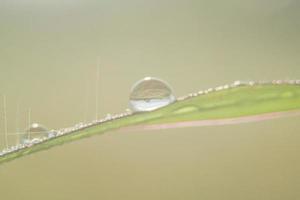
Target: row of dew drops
x: 146, y: 95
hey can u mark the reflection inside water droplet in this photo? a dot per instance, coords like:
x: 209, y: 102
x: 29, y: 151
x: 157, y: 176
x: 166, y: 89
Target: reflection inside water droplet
x: 35, y: 131
x: 149, y: 94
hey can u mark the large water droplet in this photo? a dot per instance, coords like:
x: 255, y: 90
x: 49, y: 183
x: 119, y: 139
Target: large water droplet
x: 34, y: 131
x: 149, y: 94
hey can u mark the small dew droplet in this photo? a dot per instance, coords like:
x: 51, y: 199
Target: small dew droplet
x: 33, y: 133
x: 149, y: 94
x: 108, y: 116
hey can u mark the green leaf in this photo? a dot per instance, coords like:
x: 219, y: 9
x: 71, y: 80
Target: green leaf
x: 232, y: 105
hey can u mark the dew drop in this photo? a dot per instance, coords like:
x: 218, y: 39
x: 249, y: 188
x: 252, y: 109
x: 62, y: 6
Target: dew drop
x: 108, y: 116
x: 149, y: 94
x: 34, y: 132
x: 52, y: 133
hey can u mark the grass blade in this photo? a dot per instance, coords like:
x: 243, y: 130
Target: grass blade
x: 236, y: 104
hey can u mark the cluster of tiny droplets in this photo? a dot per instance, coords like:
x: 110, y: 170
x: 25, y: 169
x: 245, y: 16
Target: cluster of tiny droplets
x: 64, y: 131
x: 239, y: 84
x: 109, y: 117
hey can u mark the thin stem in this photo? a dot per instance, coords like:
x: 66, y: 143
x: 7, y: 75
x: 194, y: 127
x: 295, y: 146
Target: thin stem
x: 5, y: 121
x: 29, y: 123
x: 86, y: 102
x: 97, y: 87
x: 18, y: 123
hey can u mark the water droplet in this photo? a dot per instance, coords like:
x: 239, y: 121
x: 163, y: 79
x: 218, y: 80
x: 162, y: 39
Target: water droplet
x: 219, y: 88
x: 237, y: 83
x: 108, y: 116
x: 251, y: 83
x: 200, y: 92
x: 52, y: 134
x: 79, y: 125
x: 149, y: 94
x: 35, y: 131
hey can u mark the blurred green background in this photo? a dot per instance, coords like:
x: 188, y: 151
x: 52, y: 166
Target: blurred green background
x: 48, y: 62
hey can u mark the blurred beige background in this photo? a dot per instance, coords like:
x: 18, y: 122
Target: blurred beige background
x: 48, y: 58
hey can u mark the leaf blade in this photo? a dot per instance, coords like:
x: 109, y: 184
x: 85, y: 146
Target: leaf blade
x: 232, y: 103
